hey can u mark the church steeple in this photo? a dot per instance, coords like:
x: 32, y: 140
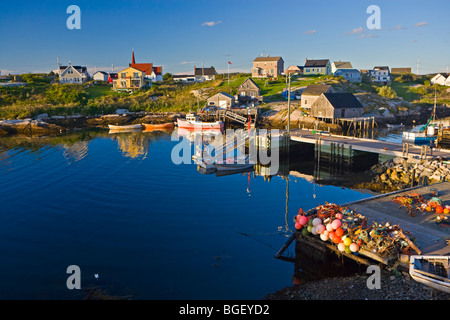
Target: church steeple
x: 132, y: 58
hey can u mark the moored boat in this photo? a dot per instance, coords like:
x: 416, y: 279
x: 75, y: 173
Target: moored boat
x: 192, y: 123
x: 158, y: 126
x: 419, y: 135
x: 395, y: 126
x: 238, y: 164
x: 125, y: 127
x: 432, y: 271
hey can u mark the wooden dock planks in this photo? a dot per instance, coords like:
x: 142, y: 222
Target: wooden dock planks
x: 430, y: 236
x: 366, y: 145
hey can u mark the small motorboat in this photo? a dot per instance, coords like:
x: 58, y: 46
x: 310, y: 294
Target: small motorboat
x: 125, y: 127
x: 238, y: 164
x: 158, y: 126
x: 203, y: 163
x: 192, y: 123
x: 432, y: 271
x: 395, y: 126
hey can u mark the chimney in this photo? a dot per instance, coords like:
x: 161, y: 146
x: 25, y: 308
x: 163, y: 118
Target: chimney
x: 132, y: 57
x: 339, y: 60
x: 306, y: 60
x: 267, y: 55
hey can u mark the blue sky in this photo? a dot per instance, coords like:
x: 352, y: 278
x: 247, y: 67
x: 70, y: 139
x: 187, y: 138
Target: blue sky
x: 180, y: 34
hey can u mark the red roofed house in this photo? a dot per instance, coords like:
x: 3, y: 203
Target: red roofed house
x: 154, y: 74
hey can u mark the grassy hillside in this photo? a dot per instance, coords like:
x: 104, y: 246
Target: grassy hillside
x: 41, y: 95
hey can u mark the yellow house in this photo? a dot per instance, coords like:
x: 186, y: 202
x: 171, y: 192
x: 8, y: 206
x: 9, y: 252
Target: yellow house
x: 130, y: 79
x: 317, y: 67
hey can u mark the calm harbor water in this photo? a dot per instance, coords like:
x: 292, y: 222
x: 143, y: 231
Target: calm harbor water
x: 117, y: 206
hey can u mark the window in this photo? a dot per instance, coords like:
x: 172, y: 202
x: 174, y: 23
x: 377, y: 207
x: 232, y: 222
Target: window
x: 123, y: 75
x: 135, y: 75
x: 306, y: 101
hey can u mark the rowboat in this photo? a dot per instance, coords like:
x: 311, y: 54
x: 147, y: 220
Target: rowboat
x: 158, y: 126
x: 432, y: 271
x: 192, y: 123
x: 126, y: 127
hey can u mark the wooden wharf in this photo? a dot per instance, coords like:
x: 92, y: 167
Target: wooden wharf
x: 430, y: 237
x: 337, y: 142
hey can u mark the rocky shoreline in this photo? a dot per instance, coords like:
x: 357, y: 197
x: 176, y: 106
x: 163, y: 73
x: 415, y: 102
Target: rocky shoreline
x: 392, y: 287
x: 400, y: 173
x: 44, y: 125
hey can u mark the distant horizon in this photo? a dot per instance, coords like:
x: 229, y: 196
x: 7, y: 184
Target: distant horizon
x: 177, y: 35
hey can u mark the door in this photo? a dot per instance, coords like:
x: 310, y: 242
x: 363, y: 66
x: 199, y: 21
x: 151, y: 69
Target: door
x: 222, y: 104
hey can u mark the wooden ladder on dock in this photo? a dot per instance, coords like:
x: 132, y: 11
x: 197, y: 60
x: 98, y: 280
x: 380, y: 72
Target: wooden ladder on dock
x: 236, y: 117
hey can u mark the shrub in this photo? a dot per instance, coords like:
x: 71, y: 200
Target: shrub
x: 387, y: 92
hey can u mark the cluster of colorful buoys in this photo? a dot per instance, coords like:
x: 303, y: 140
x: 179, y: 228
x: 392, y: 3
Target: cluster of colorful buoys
x: 330, y: 229
x: 415, y: 201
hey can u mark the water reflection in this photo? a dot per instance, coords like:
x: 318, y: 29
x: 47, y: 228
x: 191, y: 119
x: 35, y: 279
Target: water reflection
x: 139, y: 250
x: 75, y: 145
x: 75, y: 152
x: 132, y: 145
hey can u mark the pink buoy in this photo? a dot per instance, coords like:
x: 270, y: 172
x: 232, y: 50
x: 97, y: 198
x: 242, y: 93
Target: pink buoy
x: 298, y: 225
x: 320, y: 228
x: 336, y: 224
x: 303, y: 220
x: 326, y: 232
x: 354, y: 247
x: 338, y: 215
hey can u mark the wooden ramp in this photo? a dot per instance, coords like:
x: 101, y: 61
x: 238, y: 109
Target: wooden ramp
x: 366, y: 145
x: 431, y: 238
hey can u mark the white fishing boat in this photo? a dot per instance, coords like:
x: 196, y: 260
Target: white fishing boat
x: 432, y: 271
x: 420, y: 134
x: 423, y: 134
x: 192, y: 123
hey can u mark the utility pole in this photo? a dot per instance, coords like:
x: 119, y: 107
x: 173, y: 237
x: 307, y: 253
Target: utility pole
x: 289, y: 107
x: 203, y: 72
x: 434, y: 109
x: 417, y: 66
x: 58, y: 70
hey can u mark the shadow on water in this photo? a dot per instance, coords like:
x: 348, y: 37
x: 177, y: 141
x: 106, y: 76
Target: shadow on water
x: 315, y: 263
